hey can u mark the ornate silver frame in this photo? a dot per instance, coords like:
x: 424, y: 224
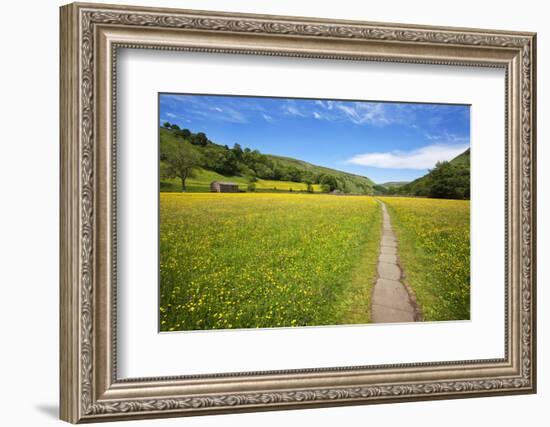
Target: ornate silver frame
x: 90, y: 36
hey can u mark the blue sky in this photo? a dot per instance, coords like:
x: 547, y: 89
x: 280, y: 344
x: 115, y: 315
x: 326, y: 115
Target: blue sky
x: 385, y: 141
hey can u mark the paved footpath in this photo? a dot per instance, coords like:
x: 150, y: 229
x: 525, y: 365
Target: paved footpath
x: 390, y: 299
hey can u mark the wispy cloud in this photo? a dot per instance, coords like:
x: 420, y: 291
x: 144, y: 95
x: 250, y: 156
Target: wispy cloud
x: 267, y: 118
x: 422, y: 158
x: 325, y: 104
x: 225, y: 114
x: 291, y: 109
x: 176, y: 118
x: 201, y: 107
x: 359, y: 113
x: 232, y: 115
x: 364, y: 113
x: 446, y: 137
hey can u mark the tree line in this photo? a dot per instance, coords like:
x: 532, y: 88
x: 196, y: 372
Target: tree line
x: 447, y: 180
x: 183, y: 155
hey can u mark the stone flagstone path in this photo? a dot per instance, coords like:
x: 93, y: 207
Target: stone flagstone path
x: 390, y: 299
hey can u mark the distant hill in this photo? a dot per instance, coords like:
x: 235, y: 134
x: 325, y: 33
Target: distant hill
x: 394, y: 184
x: 252, y: 170
x: 391, y: 187
x: 462, y: 159
x: 448, y: 180
x: 355, y: 183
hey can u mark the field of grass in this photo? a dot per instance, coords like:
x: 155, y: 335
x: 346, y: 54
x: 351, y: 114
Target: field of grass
x: 266, y: 260
x: 266, y: 184
x: 200, y: 183
x: 434, y: 249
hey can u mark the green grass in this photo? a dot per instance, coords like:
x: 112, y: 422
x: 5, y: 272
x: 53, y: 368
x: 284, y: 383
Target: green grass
x: 434, y: 250
x: 356, y: 183
x: 265, y: 184
x: 200, y: 183
x: 266, y: 260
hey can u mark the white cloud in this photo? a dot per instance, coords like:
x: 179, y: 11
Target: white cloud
x: 226, y: 114
x: 359, y: 113
x: 234, y: 116
x: 447, y: 137
x: 177, y: 118
x: 267, y: 117
x: 293, y: 110
x: 421, y: 158
x: 325, y: 104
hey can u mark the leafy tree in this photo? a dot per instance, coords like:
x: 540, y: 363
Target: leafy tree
x: 343, y: 185
x: 199, y: 139
x: 263, y: 171
x: 309, y: 187
x: 380, y: 189
x: 221, y: 161
x: 449, y: 181
x: 251, y: 187
x: 253, y: 164
x: 184, y: 133
x: 294, y: 175
x: 166, y: 125
x: 328, y: 181
x: 238, y: 151
x: 181, y: 161
x: 277, y: 174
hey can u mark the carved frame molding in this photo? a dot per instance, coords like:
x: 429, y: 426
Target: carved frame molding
x: 90, y: 37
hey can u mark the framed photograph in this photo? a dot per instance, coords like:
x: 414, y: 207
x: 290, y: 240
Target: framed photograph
x: 266, y: 212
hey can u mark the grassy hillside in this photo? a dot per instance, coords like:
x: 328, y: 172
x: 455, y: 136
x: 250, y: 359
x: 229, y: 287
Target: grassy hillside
x: 356, y: 182
x: 462, y: 159
x: 245, y: 166
x: 200, y: 183
x: 391, y: 187
x: 394, y: 184
x: 448, y: 180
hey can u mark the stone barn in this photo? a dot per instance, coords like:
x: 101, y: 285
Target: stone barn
x: 224, y: 187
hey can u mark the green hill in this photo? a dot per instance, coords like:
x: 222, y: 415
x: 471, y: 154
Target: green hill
x: 318, y: 169
x: 462, y: 159
x: 252, y: 170
x: 351, y: 183
x: 391, y: 187
x: 448, y: 180
x: 394, y: 184
x: 200, y: 183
